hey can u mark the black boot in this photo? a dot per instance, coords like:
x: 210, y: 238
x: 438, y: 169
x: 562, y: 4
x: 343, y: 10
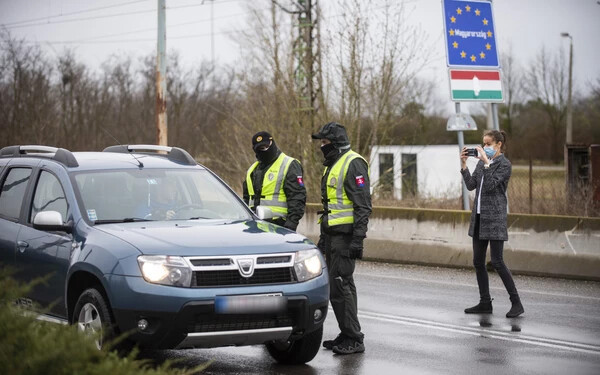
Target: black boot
x: 484, y: 307
x: 516, y: 308
x: 329, y: 344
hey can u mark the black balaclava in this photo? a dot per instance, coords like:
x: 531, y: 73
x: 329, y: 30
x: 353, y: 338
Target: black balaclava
x: 329, y: 151
x: 268, y: 155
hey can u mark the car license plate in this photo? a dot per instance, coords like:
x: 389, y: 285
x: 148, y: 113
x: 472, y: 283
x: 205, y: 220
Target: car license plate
x: 251, y: 304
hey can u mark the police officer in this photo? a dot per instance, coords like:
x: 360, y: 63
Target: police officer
x: 346, y: 198
x: 275, y: 181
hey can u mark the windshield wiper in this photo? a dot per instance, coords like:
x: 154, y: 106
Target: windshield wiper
x: 125, y: 220
x: 199, y: 217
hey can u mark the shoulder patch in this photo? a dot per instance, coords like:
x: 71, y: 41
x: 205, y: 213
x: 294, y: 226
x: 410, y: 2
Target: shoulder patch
x: 360, y: 181
x: 300, y: 180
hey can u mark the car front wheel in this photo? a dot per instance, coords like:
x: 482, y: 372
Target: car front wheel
x: 92, y: 316
x: 298, y: 351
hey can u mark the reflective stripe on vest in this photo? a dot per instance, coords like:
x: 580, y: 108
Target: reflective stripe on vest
x: 272, y: 194
x: 341, y: 210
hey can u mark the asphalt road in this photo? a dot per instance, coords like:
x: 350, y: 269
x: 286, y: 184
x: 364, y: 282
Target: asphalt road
x: 414, y: 323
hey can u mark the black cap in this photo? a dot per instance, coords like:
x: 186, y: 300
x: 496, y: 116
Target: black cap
x: 261, y: 139
x: 335, y: 132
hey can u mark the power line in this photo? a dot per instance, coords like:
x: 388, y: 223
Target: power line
x: 109, y: 15
x: 72, y: 13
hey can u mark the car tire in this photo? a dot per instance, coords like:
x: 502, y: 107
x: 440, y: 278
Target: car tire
x: 92, y: 316
x: 299, y: 351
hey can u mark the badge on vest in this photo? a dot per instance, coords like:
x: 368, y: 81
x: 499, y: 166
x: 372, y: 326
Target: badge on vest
x: 360, y: 181
x: 332, y: 181
x: 300, y: 181
x: 271, y: 176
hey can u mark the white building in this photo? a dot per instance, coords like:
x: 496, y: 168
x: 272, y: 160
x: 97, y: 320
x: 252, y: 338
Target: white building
x: 427, y: 171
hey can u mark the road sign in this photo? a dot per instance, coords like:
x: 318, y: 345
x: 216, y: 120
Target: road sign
x: 460, y: 122
x: 470, y: 34
x: 475, y: 85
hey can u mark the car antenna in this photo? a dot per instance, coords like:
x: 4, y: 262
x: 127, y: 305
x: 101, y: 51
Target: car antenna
x: 141, y: 165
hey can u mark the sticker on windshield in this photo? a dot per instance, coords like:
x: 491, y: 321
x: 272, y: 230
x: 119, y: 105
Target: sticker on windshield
x: 151, y: 181
x: 92, y: 215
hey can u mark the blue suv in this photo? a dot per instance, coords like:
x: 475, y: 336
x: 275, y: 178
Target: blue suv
x: 143, y: 241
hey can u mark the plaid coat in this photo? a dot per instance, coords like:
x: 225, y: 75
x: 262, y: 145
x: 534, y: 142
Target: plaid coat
x: 492, y: 224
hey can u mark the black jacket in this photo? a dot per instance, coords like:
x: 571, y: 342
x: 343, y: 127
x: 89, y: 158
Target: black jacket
x: 294, y: 191
x: 359, y: 195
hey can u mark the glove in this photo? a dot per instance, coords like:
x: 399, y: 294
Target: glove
x: 291, y: 226
x: 322, y: 244
x: 356, y: 247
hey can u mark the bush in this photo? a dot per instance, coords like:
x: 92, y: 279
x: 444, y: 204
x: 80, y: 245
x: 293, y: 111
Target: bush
x: 29, y: 346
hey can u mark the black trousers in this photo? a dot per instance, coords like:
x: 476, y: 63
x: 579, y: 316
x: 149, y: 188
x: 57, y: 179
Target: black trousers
x: 479, y: 253
x: 342, y: 289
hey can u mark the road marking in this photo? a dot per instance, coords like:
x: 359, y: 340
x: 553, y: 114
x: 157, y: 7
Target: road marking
x: 483, y: 332
x: 473, y: 286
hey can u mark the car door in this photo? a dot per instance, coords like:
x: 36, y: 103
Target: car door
x: 46, y: 253
x: 14, y: 182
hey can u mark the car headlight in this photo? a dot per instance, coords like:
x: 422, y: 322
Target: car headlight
x: 308, y: 265
x: 165, y: 270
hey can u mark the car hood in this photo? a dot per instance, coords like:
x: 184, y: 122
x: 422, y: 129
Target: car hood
x: 207, y: 237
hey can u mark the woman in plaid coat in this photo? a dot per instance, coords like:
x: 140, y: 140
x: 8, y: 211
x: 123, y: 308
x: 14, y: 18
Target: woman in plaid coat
x: 488, y: 218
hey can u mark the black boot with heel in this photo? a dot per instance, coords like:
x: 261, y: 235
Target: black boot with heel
x: 516, y: 308
x: 483, y: 307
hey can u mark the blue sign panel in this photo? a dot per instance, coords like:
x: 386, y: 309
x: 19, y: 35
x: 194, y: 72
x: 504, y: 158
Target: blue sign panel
x: 470, y: 34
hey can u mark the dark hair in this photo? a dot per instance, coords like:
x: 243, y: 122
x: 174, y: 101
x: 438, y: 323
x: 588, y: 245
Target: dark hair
x: 497, y: 136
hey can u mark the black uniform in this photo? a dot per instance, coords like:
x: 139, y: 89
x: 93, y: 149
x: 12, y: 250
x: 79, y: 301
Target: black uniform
x: 342, y: 245
x: 293, y: 187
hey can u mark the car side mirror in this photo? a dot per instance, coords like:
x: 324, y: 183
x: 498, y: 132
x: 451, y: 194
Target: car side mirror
x: 51, y: 221
x: 264, y: 213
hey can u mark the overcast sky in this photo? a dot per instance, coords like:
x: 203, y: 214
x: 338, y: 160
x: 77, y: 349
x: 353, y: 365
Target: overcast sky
x: 128, y: 27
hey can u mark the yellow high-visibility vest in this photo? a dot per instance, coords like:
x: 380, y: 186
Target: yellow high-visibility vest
x: 272, y: 194
x: 341, y: 210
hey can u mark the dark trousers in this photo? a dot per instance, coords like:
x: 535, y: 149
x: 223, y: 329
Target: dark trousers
x: 496, y: 249
x: 342, y: 289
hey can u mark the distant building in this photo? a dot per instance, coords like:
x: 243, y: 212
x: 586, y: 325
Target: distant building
x: 422, y: 171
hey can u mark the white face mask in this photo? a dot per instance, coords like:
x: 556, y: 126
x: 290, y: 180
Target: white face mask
x: 489, y: 151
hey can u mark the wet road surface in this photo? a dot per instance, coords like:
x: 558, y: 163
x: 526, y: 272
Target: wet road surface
x: 414, y: 323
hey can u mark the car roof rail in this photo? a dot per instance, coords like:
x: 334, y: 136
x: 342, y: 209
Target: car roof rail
x: 175, y: 154
x: 60, y: 155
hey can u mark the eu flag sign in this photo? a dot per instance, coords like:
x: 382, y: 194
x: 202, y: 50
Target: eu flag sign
x: 470, y: 34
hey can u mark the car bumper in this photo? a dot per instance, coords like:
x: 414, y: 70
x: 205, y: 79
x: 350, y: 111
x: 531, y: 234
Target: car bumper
x: 186, y: 317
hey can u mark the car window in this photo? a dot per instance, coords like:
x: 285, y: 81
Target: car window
x: 13, y: 191
x: 156, y: 194
x: 49, y: 196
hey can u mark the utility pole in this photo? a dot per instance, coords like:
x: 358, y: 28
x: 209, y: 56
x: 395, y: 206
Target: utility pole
x: 161, y: 74
x: 307, y: 70
x: 569, y: 136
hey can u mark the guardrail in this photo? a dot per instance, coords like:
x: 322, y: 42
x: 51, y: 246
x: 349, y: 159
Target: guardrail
x: 562, y: 246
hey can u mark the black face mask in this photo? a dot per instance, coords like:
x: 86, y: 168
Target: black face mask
x: 268, y: 155
x: 329, y: 151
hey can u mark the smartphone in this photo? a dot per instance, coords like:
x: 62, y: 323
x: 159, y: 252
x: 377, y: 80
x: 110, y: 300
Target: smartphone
x: 472, y: 152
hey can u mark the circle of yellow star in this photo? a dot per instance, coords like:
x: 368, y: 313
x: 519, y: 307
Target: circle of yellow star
x: 485, y: 21
x: 477, y: 12
x: 488, y: 46
x: 489, y: 34
x: 455, y: 45
x: 468, y: 8
x: 463, y: 54
x: 473, y: 58
x: 453, y: 19
x: 451, y: 32
x: 482, y: 55
x: 458, y: 11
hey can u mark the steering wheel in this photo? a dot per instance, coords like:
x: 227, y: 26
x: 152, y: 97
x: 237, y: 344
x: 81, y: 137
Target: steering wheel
x: 187, y: 206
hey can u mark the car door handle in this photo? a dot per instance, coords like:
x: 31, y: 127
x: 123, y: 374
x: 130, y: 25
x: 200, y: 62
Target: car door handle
x: 22, y: 245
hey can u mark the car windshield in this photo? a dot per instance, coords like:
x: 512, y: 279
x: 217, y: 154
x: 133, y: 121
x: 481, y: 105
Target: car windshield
x: 156, y: 194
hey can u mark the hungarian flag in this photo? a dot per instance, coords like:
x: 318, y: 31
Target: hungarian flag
x: 476, y: 85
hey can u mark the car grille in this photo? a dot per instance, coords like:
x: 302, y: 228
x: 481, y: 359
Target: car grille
x: 261, y: 276
x: 216, y: 323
